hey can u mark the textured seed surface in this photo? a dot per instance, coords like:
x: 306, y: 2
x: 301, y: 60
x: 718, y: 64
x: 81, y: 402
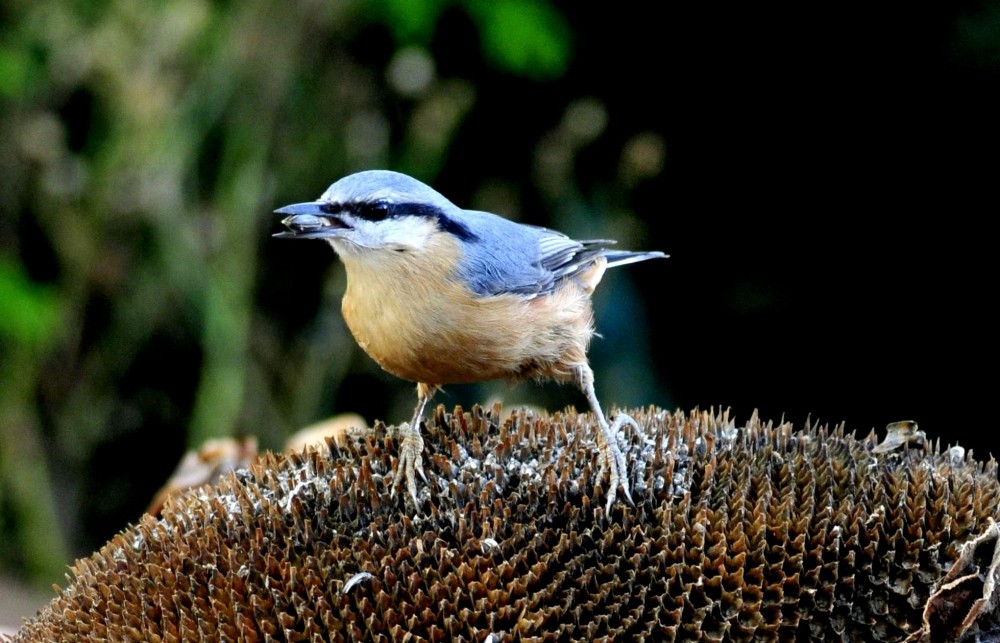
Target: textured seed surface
x: 754, y: 532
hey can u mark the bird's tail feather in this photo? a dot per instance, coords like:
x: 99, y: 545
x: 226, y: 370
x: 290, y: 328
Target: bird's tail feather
x: 624, y: 257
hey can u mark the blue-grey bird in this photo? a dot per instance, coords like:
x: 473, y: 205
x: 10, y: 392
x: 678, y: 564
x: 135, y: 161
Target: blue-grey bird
x: 441, y: 295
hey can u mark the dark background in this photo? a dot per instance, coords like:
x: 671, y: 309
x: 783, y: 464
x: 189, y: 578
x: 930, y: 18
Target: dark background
x: 823, y: 177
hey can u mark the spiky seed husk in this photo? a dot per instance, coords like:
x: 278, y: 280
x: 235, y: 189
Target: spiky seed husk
x: 751, y: 533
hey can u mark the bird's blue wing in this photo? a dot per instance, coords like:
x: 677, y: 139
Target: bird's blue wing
x: 509, y: 257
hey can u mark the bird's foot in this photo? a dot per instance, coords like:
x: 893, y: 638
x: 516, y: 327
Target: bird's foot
x: 411, y: 460
x: 613, y: 460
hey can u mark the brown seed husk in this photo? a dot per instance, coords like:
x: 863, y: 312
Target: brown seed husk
x: 744, y: 533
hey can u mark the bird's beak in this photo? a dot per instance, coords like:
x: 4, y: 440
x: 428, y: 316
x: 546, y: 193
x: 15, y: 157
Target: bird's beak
x: 311, y: 220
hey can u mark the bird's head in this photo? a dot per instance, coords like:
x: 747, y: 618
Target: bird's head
x: 376, y: 210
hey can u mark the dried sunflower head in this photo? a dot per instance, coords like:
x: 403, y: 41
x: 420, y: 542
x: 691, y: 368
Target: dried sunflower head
x: 738, y: 533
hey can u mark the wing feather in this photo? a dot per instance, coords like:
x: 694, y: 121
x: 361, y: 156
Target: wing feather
x: 510, y: 257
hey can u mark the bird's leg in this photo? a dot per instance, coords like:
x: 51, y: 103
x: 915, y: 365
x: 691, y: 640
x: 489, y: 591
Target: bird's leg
x: 411, y: 448
x: 611, y: 457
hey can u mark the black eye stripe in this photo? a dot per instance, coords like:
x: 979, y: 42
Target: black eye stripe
x: 370, y: 210
x: 384, y: 209
x: 375, y: 210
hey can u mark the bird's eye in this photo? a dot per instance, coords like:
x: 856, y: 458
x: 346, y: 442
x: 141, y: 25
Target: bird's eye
x: 375, y: 211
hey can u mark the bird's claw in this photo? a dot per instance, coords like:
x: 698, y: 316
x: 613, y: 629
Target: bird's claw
x: 411, y: 460
x: 613, y: 460
x: 621, y: 419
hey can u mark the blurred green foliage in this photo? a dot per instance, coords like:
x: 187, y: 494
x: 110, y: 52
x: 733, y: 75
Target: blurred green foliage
x: 30, y: 313
x: 143, y: 146
x: 526, y: 37
x: 15, y: 72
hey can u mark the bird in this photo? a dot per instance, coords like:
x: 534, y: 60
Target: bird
x: 437, y: 294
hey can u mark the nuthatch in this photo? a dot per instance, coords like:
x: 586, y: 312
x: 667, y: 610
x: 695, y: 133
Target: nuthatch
x: 440, y: 295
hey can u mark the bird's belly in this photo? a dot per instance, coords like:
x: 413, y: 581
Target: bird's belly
x: 422, y: 339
